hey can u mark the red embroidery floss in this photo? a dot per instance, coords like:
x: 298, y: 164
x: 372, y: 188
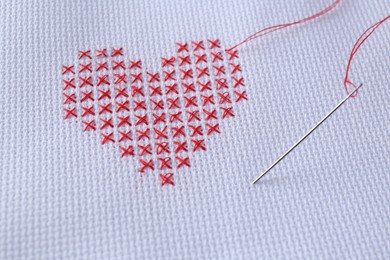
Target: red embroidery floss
x: 274, y: 28
x: 365, y: 35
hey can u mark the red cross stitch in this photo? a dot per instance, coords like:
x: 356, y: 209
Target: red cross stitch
x: 117, y: 52
x: 166, y: 179
x: 182, y: 47
x: 125, y: 135
x: 178, y: 131
x: 86, y: 95
x: 165, y: 163
x: 101, y: 53
x: 155, y: 91
x: 70, y: 98
x: 168, y: 62
x: 105, y: 109
x: 118, y: 64
x: 106, y: 123
x: 183, y: 162
x: 162, y: 147
x: 86, y: 67
x: 86, y: 81
x: 87, y: 111
x: 69, y: 84
x: 102, y: 80
x: 146, y: 165
x: 70, y: 113
x: 144, y: 149
x: 135, y: 64
x: 157, y: 104
x: 200, y: 58
x: 104, y: 94
x: 163, y: 116
x: 107, y: 138
x: 67, y: 69
x: 143, y: 134
x: 89, y: 125
x: 180, y: 146
x: 127, y: 151
x: 198, y: 45
x: 125, y: 120
x: 85, y: 54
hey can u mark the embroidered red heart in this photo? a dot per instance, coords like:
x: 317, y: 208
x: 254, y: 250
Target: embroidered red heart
x: 161, y: 117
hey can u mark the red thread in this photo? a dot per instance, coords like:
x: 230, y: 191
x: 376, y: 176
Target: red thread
x: 282, y: 26
x: 107, y: 138
x: 85, y: 54
x: 204, y: 86
x: 168, y: 62
x: 177, y: 131
x: 85, y: 67
x: 86, y: 81
x: 67, y: 69
x: 127, y: 151
x: 120, y: 78
x: 103, y: 80
x: 101, y: 53
x: 185, y: 161
x: 89, y: 125
x: 135, y: 64
x: 144, y: 149
x: 142, y: 120
x: 365, y: 35
x: 143, y: 134
x: 137, y: 77
x: 200, y: 58
x: 70, y: 113
x: 175, y: 117
x: 86, y: 95
x: 105, y: 108
x: 213, y: 129
x: 157, y: 104
x: 87, y: 111
x: 198, y: 45
x: 117, y: 52
x: 121, y: 92
x: 214, y: 44
x: 162, y: 147
x: 165, y: 163
x: 153, y: 77
x: 106, y: 123
x: 196, y: 130
x: 118, y: 64
x: 198, y: 144
x: 146, y: 165
x: 69, y: 84
x: 70, y: 98
x: 124, y: 120
x: 181, y: 146
x: 104, y: 94
x: 166, y: 179
x: 125, y: 136
x: 182, y: 47
x: 137, y: 91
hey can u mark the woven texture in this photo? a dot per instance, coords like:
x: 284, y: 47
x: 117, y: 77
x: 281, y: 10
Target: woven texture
x: 63, y: 195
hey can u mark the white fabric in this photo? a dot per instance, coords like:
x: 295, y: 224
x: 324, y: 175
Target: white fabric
x: 65, y: 196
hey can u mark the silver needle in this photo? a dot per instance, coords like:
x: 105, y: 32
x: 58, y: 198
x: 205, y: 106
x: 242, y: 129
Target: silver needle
x: 306, y: 135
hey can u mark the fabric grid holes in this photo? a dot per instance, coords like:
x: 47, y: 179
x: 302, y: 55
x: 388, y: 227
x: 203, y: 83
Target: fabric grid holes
x: 159, y: 117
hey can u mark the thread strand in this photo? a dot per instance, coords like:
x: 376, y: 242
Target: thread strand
x: 274, y: 28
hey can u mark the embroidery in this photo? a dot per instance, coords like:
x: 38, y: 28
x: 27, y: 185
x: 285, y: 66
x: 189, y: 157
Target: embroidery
x: 159, y: 118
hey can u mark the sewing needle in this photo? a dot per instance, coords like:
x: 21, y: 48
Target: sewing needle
x: 307, y: 134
